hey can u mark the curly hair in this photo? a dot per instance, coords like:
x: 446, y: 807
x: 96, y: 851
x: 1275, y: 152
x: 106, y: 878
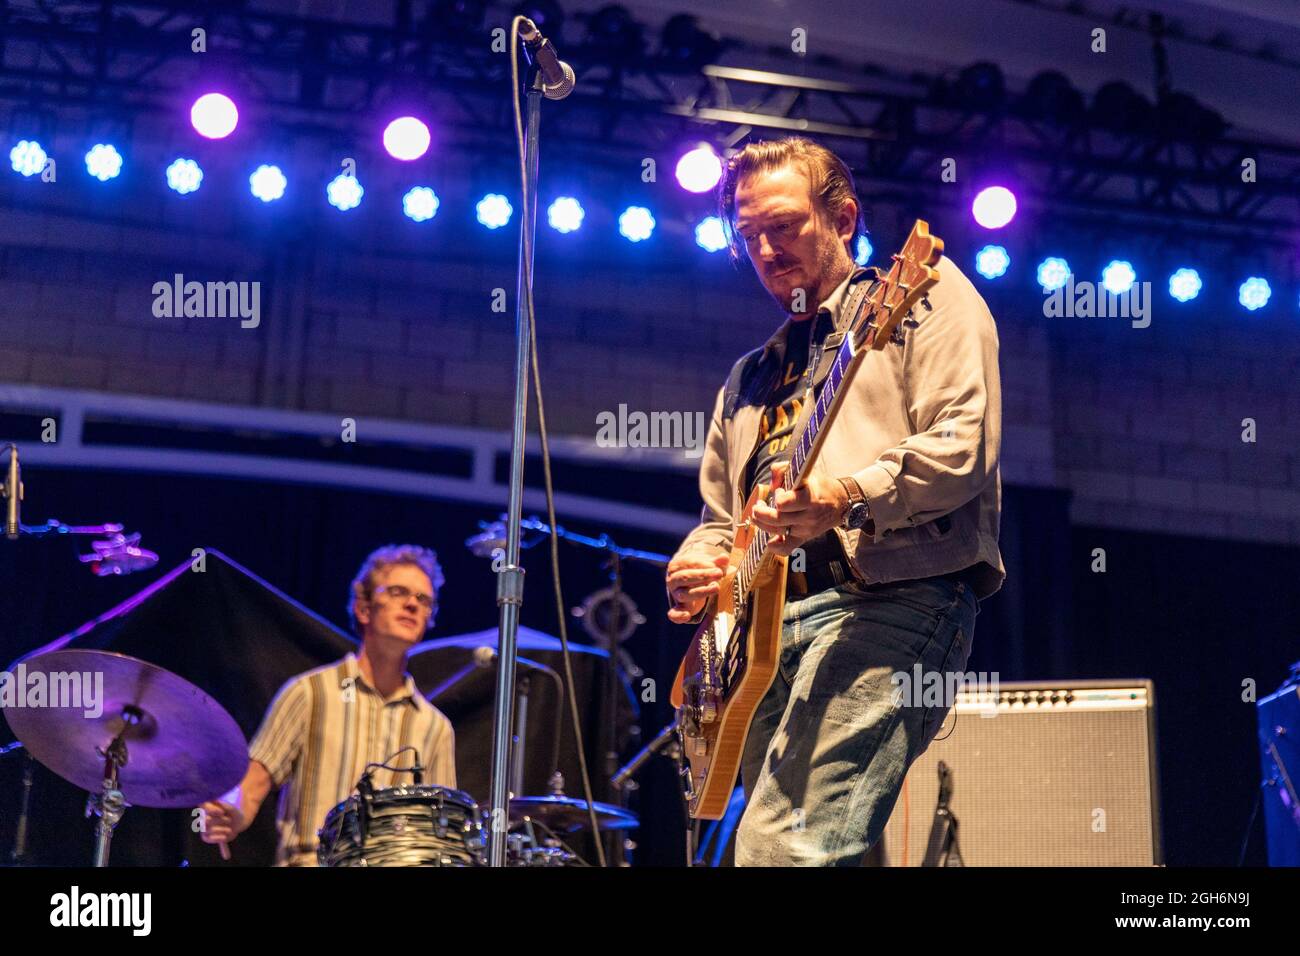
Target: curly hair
x: 426, y: 559
x: 832, y: 183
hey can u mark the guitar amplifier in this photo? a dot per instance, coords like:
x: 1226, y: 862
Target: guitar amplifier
x: 1041, y: 774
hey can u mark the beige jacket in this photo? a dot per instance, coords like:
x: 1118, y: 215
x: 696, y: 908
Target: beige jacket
x: 920, y: 429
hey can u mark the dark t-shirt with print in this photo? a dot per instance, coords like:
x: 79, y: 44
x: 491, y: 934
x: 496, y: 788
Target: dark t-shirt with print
x: 783, y: 407
x: 785, y: 400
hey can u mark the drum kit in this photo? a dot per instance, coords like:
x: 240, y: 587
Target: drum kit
x: 156, y: 740
x: 425, y: 825
x: 159, y: 741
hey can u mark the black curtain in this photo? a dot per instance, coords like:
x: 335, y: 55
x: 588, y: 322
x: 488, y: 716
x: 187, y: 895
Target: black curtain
x: 1198, y: 617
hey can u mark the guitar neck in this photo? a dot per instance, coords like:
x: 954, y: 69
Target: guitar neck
x: 823, y: 411
x: 808, y: 447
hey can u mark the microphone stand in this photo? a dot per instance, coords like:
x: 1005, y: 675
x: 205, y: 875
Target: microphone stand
x: 510, y: 580
x: 942, y: 848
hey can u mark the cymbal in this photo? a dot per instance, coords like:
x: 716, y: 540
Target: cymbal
x: 184, y: 749
x: 526, y: 640
x: 569, y: 814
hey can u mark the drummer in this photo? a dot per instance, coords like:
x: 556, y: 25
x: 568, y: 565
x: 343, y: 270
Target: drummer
x: 325, y: 726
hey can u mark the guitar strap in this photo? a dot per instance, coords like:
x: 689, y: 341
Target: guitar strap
x: 857, y: 293
x: 749, y: 365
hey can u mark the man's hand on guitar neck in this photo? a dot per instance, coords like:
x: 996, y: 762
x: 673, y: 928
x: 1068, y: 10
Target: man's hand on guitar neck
x: 692, y: 580
x: 802, y: 514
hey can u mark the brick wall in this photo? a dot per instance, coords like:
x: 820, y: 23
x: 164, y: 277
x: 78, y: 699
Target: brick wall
x: 1142, y: 425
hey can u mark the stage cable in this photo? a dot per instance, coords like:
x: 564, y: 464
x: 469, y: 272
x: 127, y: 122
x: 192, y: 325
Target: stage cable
x: 530, y: 321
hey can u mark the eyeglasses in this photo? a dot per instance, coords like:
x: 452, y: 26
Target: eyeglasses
x: 400, y: 592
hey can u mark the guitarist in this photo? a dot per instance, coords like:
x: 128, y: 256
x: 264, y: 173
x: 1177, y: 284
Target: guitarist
x: 896, y: 523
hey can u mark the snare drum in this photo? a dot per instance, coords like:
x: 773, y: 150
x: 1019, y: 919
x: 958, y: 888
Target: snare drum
x: 412, y: 825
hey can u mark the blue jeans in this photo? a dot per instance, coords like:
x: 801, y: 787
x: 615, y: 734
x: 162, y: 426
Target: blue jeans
x: 831, y: 741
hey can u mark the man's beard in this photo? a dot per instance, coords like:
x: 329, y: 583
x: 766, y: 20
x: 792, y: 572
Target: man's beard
x: 827, y: 257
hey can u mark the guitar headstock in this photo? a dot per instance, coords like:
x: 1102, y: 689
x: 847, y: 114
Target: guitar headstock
x: 908, y: 279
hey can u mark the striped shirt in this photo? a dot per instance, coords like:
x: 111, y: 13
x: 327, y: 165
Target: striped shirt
x: 322, y: 729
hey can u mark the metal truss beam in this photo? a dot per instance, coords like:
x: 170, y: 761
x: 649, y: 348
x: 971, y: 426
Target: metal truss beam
x: 317, y: 75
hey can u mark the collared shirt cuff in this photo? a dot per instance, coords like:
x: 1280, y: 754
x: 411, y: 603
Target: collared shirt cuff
x: 887, y: 508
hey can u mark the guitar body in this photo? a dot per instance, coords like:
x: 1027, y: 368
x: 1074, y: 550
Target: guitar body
x: 732, y: 660
x: 724, y: 675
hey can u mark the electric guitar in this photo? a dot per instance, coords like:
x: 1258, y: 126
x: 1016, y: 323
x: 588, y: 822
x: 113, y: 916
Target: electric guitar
x: 732, y: 660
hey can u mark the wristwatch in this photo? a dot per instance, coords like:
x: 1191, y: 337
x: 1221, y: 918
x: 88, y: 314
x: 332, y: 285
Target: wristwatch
x: 858, y: 513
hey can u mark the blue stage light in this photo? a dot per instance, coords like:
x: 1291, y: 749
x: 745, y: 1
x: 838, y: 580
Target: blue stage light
x: 992, y: 262
x: 636, y: 223
x: 1053, y: 273
x: 494, y: 210
x: 267, y: 183
x: 565, y: 214
x: 1118, y: 277
x: 1185, y: 284
x: 27, y: 158
x: 420, y: 203
x: 864, y: 251
x: 344, y: 192
x: 1254, y: 293
x: 184, y: 176
x: 709, y: 234
x: 103, y: 162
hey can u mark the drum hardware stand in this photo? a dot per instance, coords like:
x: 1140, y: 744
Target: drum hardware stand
x: 610, y: 616
x: 109, y: 804
x: 18, y: 855
x: 942, y: 848
x: 621, y: 618
x: 523, y: 685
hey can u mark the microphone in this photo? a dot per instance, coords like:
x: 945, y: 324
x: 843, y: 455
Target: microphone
x: 120, y: 554
x: 485, y: 657
x: 492, y: 539
x: 13, y: 495
x: 558, y: 79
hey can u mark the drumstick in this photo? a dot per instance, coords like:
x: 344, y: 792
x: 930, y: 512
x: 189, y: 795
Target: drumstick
x: 225, y: 849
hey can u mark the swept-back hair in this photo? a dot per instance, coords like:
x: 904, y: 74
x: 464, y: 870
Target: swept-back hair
x: 832, y: 183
